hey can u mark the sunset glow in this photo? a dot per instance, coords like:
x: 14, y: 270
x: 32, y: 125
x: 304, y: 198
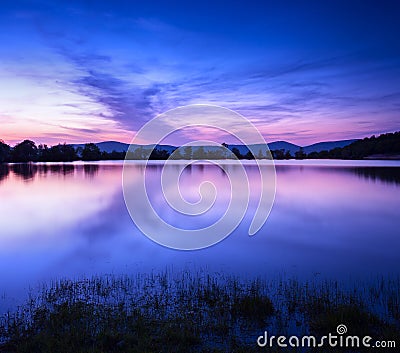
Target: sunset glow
x: 76, y: 71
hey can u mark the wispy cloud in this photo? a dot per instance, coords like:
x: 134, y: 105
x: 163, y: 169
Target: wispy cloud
x: 119, y: 66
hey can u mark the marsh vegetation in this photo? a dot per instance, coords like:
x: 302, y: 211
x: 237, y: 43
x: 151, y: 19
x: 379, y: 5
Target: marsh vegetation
x: 187, y: 312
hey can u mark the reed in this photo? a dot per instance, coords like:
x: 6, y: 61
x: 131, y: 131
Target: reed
x: 193, y: 312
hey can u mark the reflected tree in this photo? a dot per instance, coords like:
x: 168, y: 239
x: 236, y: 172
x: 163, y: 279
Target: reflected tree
x: 90, y: 170
x: 4, y: 171
x: 26, y: 171
x: 383, y: 174
x: 64, y: 169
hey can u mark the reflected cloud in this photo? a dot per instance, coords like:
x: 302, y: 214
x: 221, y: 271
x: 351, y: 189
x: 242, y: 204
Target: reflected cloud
x: 49, y: 205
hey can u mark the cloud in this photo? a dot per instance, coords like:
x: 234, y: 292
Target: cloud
x: 84, y: 130
x: 126, y: 69
x: 127, y: 104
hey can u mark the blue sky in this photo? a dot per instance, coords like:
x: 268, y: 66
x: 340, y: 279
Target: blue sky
x: 301, y: 71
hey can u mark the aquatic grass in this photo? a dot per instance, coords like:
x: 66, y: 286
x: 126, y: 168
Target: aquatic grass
x: 193, y: 312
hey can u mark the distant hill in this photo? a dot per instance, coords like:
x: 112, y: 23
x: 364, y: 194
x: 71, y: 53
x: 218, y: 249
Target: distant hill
x: 287, y: 146
x: 384, y: 146
x: 278, y: 145
x: 149, y: 148
x: 110, y: 146
x: 327, y: 146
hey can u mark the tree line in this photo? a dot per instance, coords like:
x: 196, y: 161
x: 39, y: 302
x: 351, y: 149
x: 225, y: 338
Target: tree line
x: 27, y: 151
x: 384, y: 145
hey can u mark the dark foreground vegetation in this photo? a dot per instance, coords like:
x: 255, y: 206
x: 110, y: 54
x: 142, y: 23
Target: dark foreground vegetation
x: 197, y: 313
x: 383, y: 146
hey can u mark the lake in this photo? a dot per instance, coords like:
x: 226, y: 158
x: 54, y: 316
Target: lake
x: 335, y: 219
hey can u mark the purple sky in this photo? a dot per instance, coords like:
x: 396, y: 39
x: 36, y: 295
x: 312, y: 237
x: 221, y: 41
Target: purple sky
x: 79, y: 71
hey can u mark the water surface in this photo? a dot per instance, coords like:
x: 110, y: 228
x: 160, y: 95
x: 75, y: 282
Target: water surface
x: 331, y: 219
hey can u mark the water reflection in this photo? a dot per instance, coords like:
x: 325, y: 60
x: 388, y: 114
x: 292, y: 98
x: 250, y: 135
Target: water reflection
x: 91, y: 170
x: 64, y: 169
x: 377, y: 174
x: 26, y: 171
x: 4, y: 171
x: 384, y: 174
x: 70, y: 220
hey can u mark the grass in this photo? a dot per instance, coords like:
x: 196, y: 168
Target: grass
x: 189, y: 312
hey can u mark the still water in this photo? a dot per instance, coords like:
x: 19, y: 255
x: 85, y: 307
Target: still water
x: 330, y: 219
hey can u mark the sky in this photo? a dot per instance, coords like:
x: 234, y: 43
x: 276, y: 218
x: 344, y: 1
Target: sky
x: 301, y: 71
